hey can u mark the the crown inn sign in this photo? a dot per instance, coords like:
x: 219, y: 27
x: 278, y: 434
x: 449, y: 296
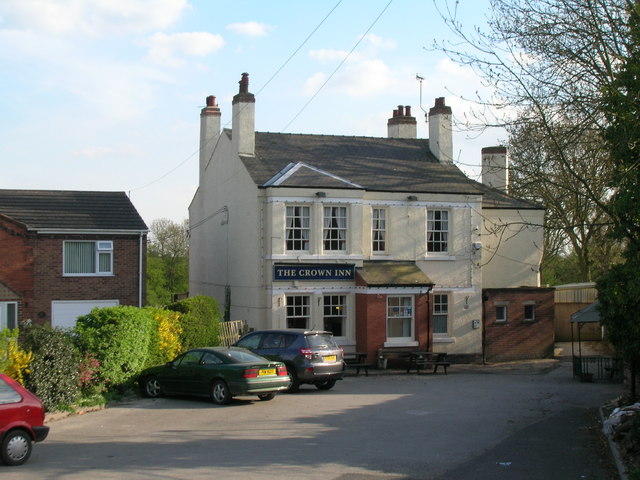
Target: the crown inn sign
x: 314, y: 272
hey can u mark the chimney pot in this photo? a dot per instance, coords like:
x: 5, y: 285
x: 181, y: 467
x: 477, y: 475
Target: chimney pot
x: 407, y: 110
x: 400, y: 111
x: 211, y: 101
x: 440, y: 102
x: 244, y: 83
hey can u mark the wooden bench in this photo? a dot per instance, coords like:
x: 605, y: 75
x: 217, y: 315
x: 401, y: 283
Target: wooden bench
x: 420, y: 360
x: 385, y: 354
x: 357, y: 360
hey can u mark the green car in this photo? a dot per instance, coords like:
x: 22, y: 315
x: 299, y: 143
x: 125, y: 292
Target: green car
x: 217, y: 372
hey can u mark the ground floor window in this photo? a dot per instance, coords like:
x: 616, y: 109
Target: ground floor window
x: 441, y: 314
x: 8, y: 315
x: 400, y: 318
x: 298, y: 311
x: 335, y: 314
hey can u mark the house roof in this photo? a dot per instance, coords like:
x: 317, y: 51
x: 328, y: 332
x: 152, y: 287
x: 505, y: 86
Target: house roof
x: 589, y: 314
x: 71, y: 210
x: 369, y: 163
x: 385, y: 273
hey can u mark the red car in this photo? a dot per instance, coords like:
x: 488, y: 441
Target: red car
x: 21, y: 421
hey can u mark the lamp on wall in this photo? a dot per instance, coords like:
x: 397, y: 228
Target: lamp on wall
x: 412, y: 198
x: 321, y: 194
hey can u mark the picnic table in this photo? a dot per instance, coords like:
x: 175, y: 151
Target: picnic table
x: 357, y: 360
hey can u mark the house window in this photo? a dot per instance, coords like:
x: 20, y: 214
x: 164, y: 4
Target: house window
x: 399, y: 318
x: 437, y: 231
x: 501, y: 313
x: 298, y: 312
x: 88, y: 258
x: 335, y: 229
x: 297, y: 228
x: 8, y: 315
x: 334, y: 314
x: 441, y: 314
x: 379, y: 230
x: 529, y: 313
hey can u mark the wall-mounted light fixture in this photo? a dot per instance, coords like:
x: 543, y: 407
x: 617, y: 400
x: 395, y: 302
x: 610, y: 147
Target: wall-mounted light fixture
x: 321, y: 194
x: 412, y: 198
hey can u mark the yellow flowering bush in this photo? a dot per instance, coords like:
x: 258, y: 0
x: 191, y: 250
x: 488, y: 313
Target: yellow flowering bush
x: 169, y: 331
x: 15, y: 360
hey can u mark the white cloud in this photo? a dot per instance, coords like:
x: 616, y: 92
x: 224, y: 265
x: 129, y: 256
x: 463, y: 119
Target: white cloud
x: 360, y: 79
x: 166, y: 49
x: 92, y: 17
x: 379, y: 42
x: 251, y: 29
x: 126, y: 150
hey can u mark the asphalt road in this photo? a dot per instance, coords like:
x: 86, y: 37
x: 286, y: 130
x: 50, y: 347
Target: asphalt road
x: 509, y: 422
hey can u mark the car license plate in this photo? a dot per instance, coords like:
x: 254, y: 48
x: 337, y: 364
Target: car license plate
x: 267, y: 371
x: 330, y: 358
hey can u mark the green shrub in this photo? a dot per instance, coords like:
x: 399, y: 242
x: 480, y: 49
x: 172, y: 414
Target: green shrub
x: 200, y: 321
x: 54, y: 371
x: 165, y: 344
x: 119, y: 339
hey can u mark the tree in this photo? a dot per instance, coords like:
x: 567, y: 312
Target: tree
x: 167, y: 261
x: 618, y: 290
x: 547, y: 63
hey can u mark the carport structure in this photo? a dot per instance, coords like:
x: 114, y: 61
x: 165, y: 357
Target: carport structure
x: 592, y: 367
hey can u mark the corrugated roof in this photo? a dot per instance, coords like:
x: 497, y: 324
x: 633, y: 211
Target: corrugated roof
x: 375, y: 164
x: 71, y: 210
x: 390, y: 273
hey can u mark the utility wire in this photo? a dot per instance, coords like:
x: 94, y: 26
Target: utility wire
x: 260, y: 90
x: 339, y: 66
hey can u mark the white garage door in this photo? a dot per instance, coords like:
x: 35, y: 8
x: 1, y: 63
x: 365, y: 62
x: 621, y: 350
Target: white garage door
x: 64, y: 313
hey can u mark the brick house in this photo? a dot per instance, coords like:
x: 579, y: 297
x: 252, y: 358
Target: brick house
x: 383, y: 241
x: 63, y: 253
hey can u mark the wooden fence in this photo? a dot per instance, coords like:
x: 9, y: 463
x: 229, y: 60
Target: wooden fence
x: 230, y: 332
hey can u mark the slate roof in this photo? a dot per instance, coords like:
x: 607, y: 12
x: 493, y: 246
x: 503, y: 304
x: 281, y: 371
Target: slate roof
x: 71, y: 210
x: 369, y: 163
x: 386, y: 273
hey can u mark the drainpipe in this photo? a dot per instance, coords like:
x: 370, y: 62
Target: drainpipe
x: 140, y: 270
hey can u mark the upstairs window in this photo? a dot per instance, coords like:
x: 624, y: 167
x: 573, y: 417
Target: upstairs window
x: 335, y: 229
x: 437, y: 231
x: 297, y: 228
x: 379, y: 230
x: 88, y: 257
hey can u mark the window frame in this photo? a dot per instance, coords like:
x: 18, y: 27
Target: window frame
x: 99, y: 251
x: 532, y: 306
x: 381, y: 231
x: 341, y: 306
x: 297, y: 231
x: 402, y: 315
x: 438, y: 238
x: 4, y: 315
x: 331, y: 230
x: 503, y: 306
x: 304, y: 307
x: 437, y: 311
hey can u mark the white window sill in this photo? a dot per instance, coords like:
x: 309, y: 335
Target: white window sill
x: 444, y: 339
x: 440, y: 257
x: 400, y: 344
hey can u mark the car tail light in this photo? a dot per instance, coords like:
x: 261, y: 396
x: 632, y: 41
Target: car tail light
x: 282, y: 371
x: 306, y: 353
x: 250, y: 373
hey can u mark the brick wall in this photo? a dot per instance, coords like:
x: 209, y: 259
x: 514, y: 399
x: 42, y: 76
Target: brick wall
x: 50, y: 284
x: 517, y: 339
x: 16, y: 265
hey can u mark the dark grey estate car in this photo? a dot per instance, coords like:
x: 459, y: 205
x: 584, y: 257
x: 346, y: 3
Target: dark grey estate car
x: 310, y: 356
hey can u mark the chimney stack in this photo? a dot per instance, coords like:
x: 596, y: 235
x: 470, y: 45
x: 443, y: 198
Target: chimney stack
x: 243, y: 131
x: 440, y: 131
x: 209, y: 133
x: 495, y: 168
x: 402, y: 124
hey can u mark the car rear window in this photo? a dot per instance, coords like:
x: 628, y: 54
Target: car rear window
x: 321, y: 341
x: 238, y: 356
x: 8, y: 394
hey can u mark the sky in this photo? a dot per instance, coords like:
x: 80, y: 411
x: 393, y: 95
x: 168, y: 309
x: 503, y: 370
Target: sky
x: 106, y: 95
